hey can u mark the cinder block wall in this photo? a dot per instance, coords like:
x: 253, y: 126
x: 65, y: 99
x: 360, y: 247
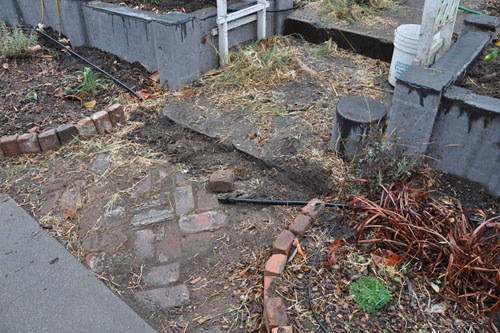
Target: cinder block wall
x: 465, y: 139
x: 180, y: 46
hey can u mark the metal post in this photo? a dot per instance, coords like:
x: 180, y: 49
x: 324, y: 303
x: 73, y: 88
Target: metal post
x: 223, y: 32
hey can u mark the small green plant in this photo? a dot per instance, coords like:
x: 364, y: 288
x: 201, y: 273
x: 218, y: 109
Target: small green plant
x: 14, y: 43
x: 369, y: 293
x: 31, y: 96
x: 90, y: 82
x: 493, y: 52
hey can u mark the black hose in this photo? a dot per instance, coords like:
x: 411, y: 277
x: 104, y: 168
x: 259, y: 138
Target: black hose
x: 227, y: 199
x: 91, y: 64
x: 313, y: 265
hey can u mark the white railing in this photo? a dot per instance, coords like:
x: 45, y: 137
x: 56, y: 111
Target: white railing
x: 436, y: 30
x: 226, y: 22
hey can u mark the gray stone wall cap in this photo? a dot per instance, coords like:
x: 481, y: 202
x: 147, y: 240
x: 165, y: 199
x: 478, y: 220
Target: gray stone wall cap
x: 426, y: 78
x: 474, y: 100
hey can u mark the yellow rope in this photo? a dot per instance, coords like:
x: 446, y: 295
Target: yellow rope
x: 59, y: 18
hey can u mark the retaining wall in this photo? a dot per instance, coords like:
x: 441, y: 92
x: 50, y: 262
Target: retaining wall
x: 454, y: 129
x: 180, y: 46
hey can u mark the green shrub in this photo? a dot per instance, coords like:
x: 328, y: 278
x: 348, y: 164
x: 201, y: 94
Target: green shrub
x: 15, y: 43
x: 369, y: 293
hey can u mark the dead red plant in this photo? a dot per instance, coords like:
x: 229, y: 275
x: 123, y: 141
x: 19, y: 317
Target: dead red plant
x: 416, y: 222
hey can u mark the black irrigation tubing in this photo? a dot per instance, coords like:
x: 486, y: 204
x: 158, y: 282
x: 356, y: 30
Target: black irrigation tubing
x: 130, y: 90
x: 313, y: 265
x: 227, y: 199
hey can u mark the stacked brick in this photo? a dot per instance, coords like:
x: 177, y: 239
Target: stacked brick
x: 274, y: 307
x: 29, y: 143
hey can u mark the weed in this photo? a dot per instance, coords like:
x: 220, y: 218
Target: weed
x: 326, y: 49
x: 89, y: 82
x: 369, y: 293
x: 14, y: 43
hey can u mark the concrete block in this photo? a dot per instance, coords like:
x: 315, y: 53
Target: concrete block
x: 102, y: 122
x: 116, y: 114
x: 48, y: 140
x: 66, y: 133
x: 28, y: 143
x: 86, y: 128
x: 465, y: 139
x: 9, y: 11
x: 416, y: 101
x: 129, y: 33
x: 9, y: 145
x: 177, y: 49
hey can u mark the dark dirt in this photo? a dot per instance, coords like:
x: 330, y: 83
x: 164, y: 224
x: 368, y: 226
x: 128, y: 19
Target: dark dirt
x: 484, y: 77
x: 48, y: 73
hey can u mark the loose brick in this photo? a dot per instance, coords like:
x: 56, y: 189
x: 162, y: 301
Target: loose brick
x: 162, y: 275
x: 314, y: 208
x: 9, y: 145
x: 66, y: 133
x: 102, y: 122
x: 275, y: 313
x: 300, y: 224
x: 222, y: 181
x: 169, y: 248
x: 184, y: 200
x: 116, y: 114
x: 164, y: 298
x: 275, y: 265
x: 28, y: 143
x: 270, y: 284
x: 283, y: 242
x: 86, y: 128
x: 202, y: 222
x: 282, y: 329
x: 48, y: 140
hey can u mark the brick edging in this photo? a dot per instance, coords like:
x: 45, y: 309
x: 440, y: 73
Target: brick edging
x: 51, y: 139
x: 275, y: 316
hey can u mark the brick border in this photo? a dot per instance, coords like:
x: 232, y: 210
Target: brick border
x: 275, y: 316
x: 51, y: 139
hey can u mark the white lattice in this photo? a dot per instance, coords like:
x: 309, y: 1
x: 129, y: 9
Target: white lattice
x: 436, y: 30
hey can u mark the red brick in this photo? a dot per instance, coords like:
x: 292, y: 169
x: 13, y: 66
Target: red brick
x: 116, y: 114
x: 86, y: 128
x: 206, y: 201
x: 282, y: 329
x: 184, y: 200
x: 28, y: 143
x: 102, y: 122
x: 314, y: 208
x: 66, y: 133
x: 300, y: 224
x: 275, y: 265
x: 283, y: 242
x: 222, y: 181
x: 202, y: 222
x: 275, y: 313
x: 270, y: 284
x: 48, y: 140
x: 9, y: 145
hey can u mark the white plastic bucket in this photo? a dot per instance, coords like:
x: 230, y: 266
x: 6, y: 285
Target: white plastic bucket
x: 406, y: 39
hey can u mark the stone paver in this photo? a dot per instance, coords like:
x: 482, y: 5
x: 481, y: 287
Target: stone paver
x: 164, y: 298
x: 184, y: 200
x: 169, y: 248
x: 153, y: 216
x: 144, y: 244
x: 202, y: 222
x: 206, y: 201
x: 162, y: 275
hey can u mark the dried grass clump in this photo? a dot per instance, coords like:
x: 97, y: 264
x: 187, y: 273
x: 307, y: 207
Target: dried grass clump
x: 353, y: 10
x: 416, y: 222
x: 257, y: 65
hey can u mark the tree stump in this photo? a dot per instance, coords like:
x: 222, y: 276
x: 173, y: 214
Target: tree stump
x: 356, y: 118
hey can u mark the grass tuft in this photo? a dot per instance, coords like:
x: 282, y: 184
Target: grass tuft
x: 14, y: 43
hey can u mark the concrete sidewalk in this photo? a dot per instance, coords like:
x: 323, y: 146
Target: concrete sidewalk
x: 43, y: 288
